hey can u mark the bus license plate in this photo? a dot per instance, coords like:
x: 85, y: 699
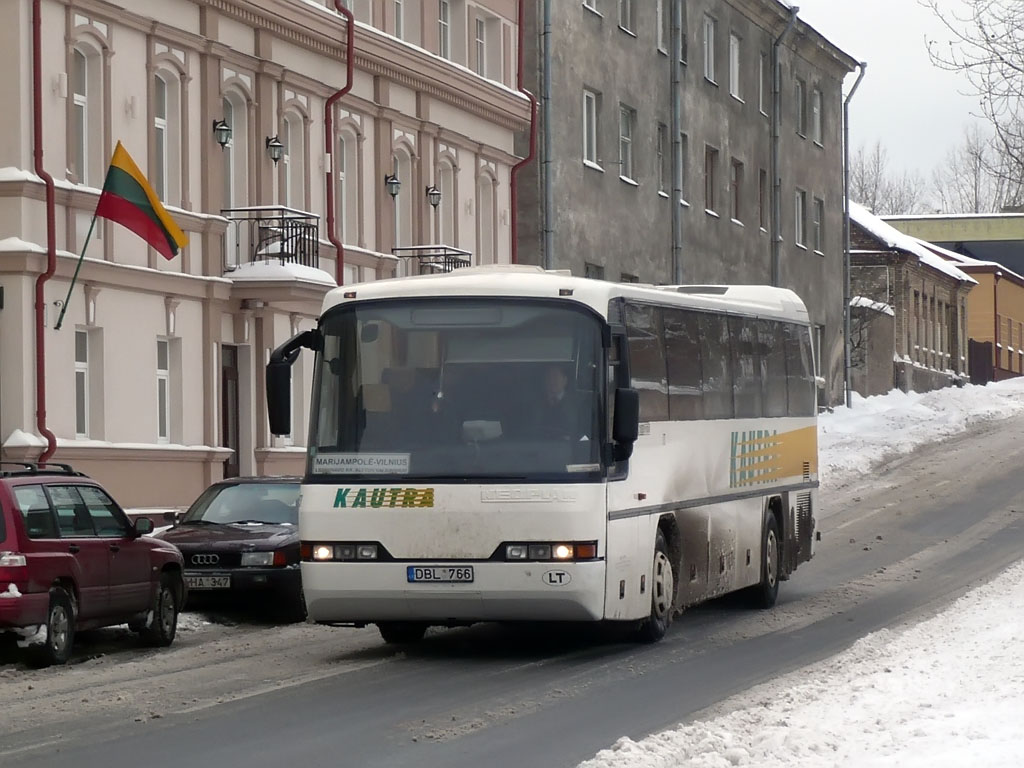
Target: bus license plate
x: 440, y: 573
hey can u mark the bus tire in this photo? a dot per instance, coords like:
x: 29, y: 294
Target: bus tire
x: 399, y: 632
x: 766, y: 592
x: 663, y: 582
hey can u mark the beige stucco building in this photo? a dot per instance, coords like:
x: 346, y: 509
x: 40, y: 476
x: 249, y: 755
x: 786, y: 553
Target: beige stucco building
x: 154, y: 382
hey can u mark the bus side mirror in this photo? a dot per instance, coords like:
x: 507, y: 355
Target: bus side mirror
x: 279, y: 397
x: 279, y: 377
x: 626, y: 426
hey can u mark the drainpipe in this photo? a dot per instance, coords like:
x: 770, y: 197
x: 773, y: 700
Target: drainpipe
x: 847, y: 343
x: 776, y: 123
x: 51, y: 231
x: 332, y: 235
x: 514, y: 185
x: 549, y: 212
x: 677, y: 147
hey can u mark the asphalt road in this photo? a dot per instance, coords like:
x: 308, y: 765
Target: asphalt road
x: 896, y: 546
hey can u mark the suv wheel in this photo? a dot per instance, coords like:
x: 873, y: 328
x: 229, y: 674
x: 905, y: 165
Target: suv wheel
x: 161, y: 629
x: 60, y: 632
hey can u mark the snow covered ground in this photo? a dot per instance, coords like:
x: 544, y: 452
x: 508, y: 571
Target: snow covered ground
x: 948, y: 691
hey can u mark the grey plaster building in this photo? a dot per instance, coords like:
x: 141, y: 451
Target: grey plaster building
x: 737, y: 180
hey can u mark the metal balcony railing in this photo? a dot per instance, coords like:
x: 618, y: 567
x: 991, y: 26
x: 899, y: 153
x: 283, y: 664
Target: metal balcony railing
x: 268, y: 232
x: 430, y: 259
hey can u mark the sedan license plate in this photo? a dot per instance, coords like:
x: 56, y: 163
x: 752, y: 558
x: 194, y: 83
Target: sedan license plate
x: 195, y: 581
x: 439, y: 573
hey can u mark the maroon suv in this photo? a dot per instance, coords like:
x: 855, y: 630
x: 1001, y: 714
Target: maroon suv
x: 71, y: 560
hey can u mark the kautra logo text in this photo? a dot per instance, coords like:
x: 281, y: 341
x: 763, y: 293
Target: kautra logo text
x: 384, y: 497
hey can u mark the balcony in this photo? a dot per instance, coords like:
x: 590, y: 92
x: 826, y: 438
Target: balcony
x: 431, y: 259
x: 265, y: 233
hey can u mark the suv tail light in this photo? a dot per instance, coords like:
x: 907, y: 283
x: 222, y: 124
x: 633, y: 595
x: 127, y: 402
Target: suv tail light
x: 13, y: 569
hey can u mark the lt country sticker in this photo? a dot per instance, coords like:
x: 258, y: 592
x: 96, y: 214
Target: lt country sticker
x: 350, y: 498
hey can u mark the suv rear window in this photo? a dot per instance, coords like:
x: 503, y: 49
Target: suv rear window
x: 36, y: 512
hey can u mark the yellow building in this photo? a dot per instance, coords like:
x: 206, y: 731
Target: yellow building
x: 990, y: 248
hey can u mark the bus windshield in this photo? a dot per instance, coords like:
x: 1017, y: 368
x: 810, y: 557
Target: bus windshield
x: 458, y: 389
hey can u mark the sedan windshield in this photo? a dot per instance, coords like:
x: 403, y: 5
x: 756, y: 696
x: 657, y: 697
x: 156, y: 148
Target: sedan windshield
x: 456, y: 389
x: 274, y: 503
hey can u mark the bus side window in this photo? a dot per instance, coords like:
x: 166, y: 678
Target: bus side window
x: 746, y: 367
x: 648, y: 374
x: 771, y: 340
x: 716, y: 365
x: 682, y: 349
x: 799, y: 371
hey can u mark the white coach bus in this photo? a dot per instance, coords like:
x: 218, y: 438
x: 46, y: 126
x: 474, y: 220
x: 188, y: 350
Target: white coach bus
x: 509, y: 444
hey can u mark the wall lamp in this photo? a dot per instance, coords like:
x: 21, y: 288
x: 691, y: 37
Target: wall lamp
x: 222, y: 131
x: 392, y: 184
x: 275, y: 148
x: 433, y: 195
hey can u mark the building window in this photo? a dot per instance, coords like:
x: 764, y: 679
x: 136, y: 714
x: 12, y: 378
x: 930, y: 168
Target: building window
x: 816, y: 115
x: 663, y: 158
x: 664, y: 22
x: 81, y: 383
x: 294, y: 159
x: 735, y: 189
x: 481, y: 48
x: 710, y: 26
x: 486, y: 218
x: 762, y: 199
x: 819, y: 225
x: 446, y: 209
x: 800, y: 104
x: 626, y: 118
x: 625, y: 277
x: 710, y: 176
x: 800, y: 214
x: 160, y: 136
x: 444, y: 28
x: 682, y: 29
x: 590, y: 112
x: 684, y: 166
x: 626, y: 14
x: 764, y: 69
x: 593, y: 271
x: 163, y: 393
x: 399, y: 20
x: 734, y: 65
x: 346, y: 200
x: 86, y: 134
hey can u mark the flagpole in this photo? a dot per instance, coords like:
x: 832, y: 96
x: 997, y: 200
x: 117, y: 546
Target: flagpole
x: 64, y: 308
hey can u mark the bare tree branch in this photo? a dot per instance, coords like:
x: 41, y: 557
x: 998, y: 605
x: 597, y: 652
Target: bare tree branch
x: 881, y: 191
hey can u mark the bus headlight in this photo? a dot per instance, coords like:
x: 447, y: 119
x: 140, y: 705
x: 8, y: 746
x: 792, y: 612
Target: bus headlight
x: 563, y: 551
x: 516, y: 552
x: 323, y: 552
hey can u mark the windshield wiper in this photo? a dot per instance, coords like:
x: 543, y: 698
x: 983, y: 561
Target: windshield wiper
x: 197, y: 521
x: 248, y: 522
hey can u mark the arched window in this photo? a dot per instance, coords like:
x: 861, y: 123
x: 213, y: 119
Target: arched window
x: 347, y: 192
x: 86, y: 140
x: 485, y: 220
x: 402, y: 168
x: 294, y: 140
x: 447, y: 207
x: 236, y: 153
x: 166, y: 171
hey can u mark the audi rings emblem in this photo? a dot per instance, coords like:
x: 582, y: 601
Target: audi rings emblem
x: 205, y: 559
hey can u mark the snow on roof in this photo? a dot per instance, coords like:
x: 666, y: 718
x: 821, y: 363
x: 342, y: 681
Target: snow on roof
x: 893, y: 238
x: 276, y: 270
x: 878, y: 306
x: 966, y: 261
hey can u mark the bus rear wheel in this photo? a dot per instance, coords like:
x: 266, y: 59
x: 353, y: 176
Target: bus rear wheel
x: 398, y: 632
x: 663, y: 591
x: 764, y: 594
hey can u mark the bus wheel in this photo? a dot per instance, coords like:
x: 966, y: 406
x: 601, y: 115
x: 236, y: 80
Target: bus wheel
x: 397, y: 632
x: 764, y: 595
x: 663, y: 584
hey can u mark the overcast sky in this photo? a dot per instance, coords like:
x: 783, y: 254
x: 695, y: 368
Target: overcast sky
x: 915, y: 109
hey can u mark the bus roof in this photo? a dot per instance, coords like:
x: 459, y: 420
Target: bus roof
x: 527, y: 281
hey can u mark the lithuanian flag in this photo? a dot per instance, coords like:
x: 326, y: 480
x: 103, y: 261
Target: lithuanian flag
x: 128, y: 200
